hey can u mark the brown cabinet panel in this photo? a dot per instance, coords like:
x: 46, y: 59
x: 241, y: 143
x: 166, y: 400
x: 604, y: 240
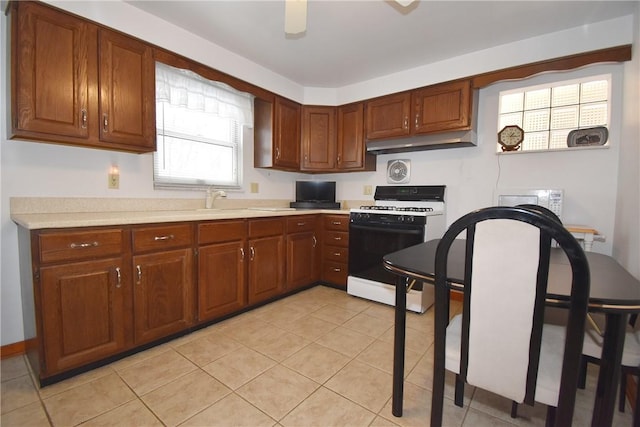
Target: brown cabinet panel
x: 221, y: 231
x: 52, y: 82
x: 266, y: 227
x: 388, y: 116
x: 335, y: 253
x: 352, y: 152
x: 318, y: 138
x: 83, y: 316
x: 80, y: 245
x: 301, y: 223
x: 221, y: 279
x: 336, y: 238
x: 336, y: 222
x: 287, y: 138
x: 162, y: 237
x: 442, y: 107
x: 162, y: 293
x: 335, y: 273
x: 266, y: 268
x: 127, y: 88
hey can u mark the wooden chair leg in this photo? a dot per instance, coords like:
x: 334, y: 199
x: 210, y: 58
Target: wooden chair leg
x: 623, y: 391
x: 551, y: 416
x: 636, y: 409
x: 514, y: 409
x: 459, y: 394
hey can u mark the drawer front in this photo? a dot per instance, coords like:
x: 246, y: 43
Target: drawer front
x: 335, y: 253
x: 336, y: 222
x: 162, y: 237
x: 266, y: 227
x: 334, y: 272
x: 85, y: 244
x: 221, y: 231
x: 301, y: 223
x: 337, y: 238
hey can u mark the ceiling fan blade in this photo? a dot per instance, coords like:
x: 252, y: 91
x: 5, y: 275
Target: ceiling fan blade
x: 295, y: 16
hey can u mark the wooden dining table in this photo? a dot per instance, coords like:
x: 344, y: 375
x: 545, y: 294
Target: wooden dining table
x: 614, y: 292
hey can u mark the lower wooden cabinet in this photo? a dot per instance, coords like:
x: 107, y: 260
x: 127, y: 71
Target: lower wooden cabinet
x: 335, y: 245
x: 266, y: 259
x: 83, y: 312
x: 96, y: 292
x: 162, y: 294
x: 221, y: 268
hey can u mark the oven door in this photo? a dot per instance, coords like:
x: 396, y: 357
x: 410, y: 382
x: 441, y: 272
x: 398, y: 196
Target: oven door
x: 369, y: 243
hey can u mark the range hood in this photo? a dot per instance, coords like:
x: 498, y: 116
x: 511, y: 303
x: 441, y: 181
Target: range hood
x: 456, y: 139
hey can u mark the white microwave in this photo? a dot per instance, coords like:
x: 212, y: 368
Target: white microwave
x: 550, y: 199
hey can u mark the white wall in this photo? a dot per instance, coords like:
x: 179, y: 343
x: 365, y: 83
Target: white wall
x: 588, y: 177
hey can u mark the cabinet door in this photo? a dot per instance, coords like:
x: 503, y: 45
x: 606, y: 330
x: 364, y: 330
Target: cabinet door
x: 221, y: 279
x: 54, y: 69
x: 388, y: 116
x: 302, y: 257
x: 318, y: 138
x: 352, y: 153
x: 162, y: 293
x: 83, y: 318
x: 127, y: 92
x: 287, y: 138
x: 266, y: 268
x: 442, y: 107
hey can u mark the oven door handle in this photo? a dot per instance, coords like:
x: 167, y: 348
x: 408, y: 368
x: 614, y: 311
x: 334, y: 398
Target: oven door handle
x: 383, y: 229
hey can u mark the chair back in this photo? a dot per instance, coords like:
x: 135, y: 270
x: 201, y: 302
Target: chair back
x: 507, y: 257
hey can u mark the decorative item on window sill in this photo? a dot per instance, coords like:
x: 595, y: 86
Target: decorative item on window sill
x: 510, y: 137
x: 588, y: 137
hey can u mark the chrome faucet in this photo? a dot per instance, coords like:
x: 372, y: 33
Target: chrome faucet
x: 213, y: 195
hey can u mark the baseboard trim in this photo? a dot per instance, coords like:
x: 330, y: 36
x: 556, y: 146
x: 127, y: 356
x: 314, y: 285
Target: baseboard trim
x: 11, y: 350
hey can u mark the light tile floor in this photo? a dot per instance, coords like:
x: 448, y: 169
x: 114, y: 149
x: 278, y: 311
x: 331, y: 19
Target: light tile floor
x: 317, y: 358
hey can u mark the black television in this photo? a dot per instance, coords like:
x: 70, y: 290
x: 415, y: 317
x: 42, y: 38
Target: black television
x: 315, y: 195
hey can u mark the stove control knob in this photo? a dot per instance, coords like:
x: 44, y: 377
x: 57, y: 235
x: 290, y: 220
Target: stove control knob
x: 409, y: 219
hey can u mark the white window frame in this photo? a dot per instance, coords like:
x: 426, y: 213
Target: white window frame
x: 167, y: 178
x: 550, y: 85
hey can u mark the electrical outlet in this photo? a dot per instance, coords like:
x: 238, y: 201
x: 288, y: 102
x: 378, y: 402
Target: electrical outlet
x: 114, y: 181
x: 254, y: 187
x: 367, y: 190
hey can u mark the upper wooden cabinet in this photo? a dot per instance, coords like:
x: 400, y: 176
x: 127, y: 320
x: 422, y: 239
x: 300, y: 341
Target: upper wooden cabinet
x: 431, y: 109
x: 318, y: 138
x: 333, y: 139
x: 277, y: 134
x: 351, y: 151
x: 76, y: 83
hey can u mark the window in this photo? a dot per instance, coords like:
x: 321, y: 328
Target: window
x: 200, y: 126
x: 548, y: 113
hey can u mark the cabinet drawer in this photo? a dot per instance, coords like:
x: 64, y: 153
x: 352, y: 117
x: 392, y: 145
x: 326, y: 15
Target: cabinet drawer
x: 334, y: 272
x: 335, y: 253
x: 301, y: 223
x: 266, y: 227
x: 336, y: 238
x: 86, y: 244
x: 221, y: 231
x: 162, y: 237
x: 336, y: 222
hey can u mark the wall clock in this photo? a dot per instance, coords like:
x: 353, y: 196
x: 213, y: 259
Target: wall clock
x: 510, y: 137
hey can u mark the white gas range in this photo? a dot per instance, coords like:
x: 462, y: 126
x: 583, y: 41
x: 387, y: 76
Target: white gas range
x: 402, y: 216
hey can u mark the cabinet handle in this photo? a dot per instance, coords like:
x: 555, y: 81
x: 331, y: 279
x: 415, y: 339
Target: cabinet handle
x: 119, y: 277
x: 406, y: 122
x: 252, y: 252
x: 336, y: 254
x: 139, y: 271
x: 301, y: 224
x: 337, y: 238
x: 337, y: 270
x: 277, y: 152
x: 159, y: 238
x: 83, y: 118
x: 336, y: 222
x: 105, y: 123
x: 417, y: 117
x: 83, y: 245
x: 241, y: 254
x: 315, y: 241
x: 338, y: 159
